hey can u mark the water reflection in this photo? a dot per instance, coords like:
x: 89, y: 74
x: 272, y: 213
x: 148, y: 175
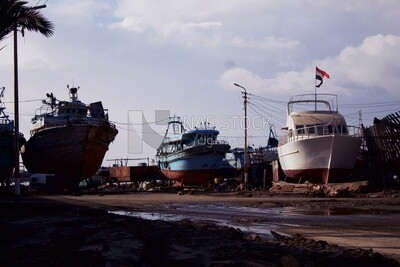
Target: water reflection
x: 250, y: 220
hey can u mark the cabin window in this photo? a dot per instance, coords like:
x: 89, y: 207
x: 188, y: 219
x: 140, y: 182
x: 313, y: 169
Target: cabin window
x: 311, y: 129
x: 342, y: 129
x: 330, y: 129
x: 188, y: 139
x: 300, y: 129
x: 320, y: 130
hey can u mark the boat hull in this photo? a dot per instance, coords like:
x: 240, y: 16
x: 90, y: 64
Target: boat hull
x: 321, y: 159
x: 195, y: 166
x: 72, y: 152
x: 6, y: 155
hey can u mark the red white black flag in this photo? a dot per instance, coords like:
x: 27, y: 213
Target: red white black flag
x: 320, y: 75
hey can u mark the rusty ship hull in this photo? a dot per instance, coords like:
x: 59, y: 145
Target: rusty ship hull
x: 72, y: 151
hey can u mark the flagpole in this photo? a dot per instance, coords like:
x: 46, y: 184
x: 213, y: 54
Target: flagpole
x: 315, y: 89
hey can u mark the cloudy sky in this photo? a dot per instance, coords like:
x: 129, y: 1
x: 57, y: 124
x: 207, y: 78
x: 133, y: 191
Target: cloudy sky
x: 146, y: 56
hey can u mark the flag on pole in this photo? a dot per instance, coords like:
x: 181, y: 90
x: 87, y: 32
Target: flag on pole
x: 320, y: 75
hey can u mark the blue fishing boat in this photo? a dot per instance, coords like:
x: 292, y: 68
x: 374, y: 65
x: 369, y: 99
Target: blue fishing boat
x: 6, y: 143
x: 191, y: 157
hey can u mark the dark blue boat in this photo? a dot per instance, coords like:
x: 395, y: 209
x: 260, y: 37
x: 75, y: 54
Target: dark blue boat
x: 6, y: 143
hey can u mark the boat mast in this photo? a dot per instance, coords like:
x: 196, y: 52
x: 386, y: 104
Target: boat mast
x: 73, y: 93
x: 315, y: 91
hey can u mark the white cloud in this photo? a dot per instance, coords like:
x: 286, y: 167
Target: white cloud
x: 76, y: 11
x: 243, y: 77
x: 285, y: 23
x: 189, y: 22
x: 283, y: 83
x: 181, y: 23
x: 374, y: 64
x: 128, y: 23
x: 189, y: 34
x: 269, y: 43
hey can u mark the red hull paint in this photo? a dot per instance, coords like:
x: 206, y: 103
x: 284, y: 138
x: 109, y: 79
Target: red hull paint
x: 319, y: 175
x: 190, y: 177
x: 72, y: 152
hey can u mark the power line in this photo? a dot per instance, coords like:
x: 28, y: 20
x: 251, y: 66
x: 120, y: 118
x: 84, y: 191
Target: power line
x: 22, y: 101
x: 267, y: 99
x: 146, y: 123
x: 370, y: 105
x: 279, y: 113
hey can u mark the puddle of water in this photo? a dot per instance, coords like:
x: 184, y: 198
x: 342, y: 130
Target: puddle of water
x: 151, y: 216
x: 263, y: 230
x: 222, y: 210
x: 336, y: 212
x: 249, y: 220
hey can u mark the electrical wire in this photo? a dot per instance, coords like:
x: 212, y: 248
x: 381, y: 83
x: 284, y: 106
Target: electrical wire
x: 23, y: 101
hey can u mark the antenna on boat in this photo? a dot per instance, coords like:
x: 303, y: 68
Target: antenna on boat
x: 2, y: 107
x: 2, y: 92
x: 52, y: 102
x: 73, y: 93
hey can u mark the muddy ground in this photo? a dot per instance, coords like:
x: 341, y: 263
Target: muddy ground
x: 78, y: 230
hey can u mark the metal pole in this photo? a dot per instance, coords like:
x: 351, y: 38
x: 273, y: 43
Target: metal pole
x: 315, y: 90
x: 17, y: 190
x: 16, y: 121
x: 245, y: 170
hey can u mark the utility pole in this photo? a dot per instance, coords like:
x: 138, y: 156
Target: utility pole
x: 245, y: 170
x: 17, y: 189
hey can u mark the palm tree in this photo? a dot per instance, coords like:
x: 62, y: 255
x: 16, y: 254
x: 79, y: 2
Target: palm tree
x: 15, y: 13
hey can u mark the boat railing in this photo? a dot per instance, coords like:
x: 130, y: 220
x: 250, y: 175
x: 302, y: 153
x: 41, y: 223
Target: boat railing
x: 43, y: 111
x: 4, y: 120
x: 330, y: 101
x: 50, y: 114
x: 316, y: 130
x: 171, y: 145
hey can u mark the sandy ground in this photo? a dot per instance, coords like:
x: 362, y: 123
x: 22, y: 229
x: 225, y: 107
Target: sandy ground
x: 78, y: 230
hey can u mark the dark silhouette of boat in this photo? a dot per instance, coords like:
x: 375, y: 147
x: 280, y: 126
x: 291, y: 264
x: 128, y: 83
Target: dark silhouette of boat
x: 7, y: 158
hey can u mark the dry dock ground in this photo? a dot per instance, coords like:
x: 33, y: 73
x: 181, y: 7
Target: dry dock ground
x: 307, y: 231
